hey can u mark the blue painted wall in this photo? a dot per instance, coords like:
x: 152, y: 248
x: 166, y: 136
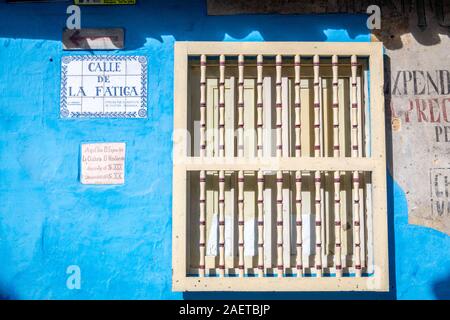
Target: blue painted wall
x: 120, y: 236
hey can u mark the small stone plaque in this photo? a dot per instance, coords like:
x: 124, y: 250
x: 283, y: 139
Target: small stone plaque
x: 103, y: 163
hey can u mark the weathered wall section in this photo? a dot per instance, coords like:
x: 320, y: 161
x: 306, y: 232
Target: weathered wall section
x: 418, y: 102
x: 120, y: 236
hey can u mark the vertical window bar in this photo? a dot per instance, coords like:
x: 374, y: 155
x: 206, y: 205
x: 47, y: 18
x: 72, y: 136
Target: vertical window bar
x: 336, y: 146
x: 260, y: 204
x: 241, y: 173
x: 278, y: 106
x: 354, y: 102
x: 337, y: 181
x: 221, y: 223
x: 240, y: 148
x: 318, y: 222
x: 202, y: 222
x: 259, y: 151
x: 203, y: 105
x: 202, y: 206
x: 221, y: 172
x: 298, y: 222
x: 280, y: 266
x: 298, y: 174
x: 317, y: 174
x: 355, y: 175
x: 279, y: 153
x: 317, y: 144
x: 297, y: 106
x: 222, y: 106
x: 241, y: 222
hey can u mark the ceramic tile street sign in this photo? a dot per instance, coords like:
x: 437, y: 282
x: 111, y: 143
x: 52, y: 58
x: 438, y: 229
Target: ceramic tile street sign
x: 93, y: 39
x: 103, y: 86
x: 103, y: 163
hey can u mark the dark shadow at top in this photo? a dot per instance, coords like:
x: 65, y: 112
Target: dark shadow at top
x: 425, y: 20
x: 389, y: 179
x: 180, y: 20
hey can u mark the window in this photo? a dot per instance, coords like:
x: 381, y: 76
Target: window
x: 279, y: 179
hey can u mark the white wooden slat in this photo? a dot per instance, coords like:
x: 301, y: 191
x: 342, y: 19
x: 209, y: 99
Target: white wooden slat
x: 194, y: 117
x: 230, y: 198
x: 362, y: 219
x: 260, y: 149
x: 279, y: 107
x: 249, y: 219
x: 212, y: 226
x: 249, y: 119
x: 230, y: 201
x: 360, y: 116
x: 369, y: 226
x: 322, y: 199
x: 229, y: 113
x: 286, y: 189
x: 268, y: 145
x: 285, y: 117
x: 286, y: 216
x: 367, y: 116
x: 336, y: 174
x: 212, y: 117
x: 361, y: 152
x: 269, y: 208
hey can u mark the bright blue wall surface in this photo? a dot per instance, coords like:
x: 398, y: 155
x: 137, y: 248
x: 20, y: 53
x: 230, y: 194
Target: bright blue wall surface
x: 120, y: 236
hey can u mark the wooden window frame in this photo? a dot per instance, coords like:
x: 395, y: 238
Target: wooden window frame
x: 375, y: 163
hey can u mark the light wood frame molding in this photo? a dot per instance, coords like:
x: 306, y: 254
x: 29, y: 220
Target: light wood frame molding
x: 375, y: 164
